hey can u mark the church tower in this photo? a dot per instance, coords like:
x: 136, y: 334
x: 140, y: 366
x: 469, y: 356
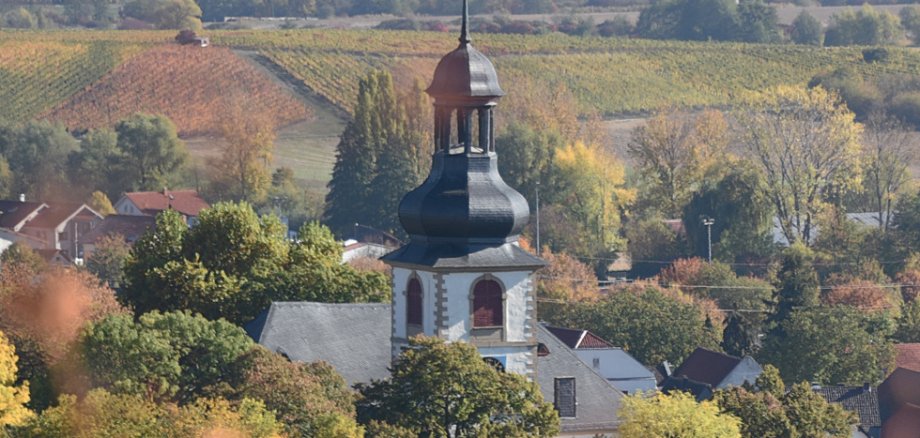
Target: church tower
x: 462, y: 276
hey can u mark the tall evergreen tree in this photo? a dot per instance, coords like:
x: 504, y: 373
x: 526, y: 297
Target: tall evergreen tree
x: 797, y: 283
x: 377, y: 160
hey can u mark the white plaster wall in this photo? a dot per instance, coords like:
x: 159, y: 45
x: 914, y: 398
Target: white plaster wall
x: 401, y: 282
x: 517, y: 293
x: 518, y: 360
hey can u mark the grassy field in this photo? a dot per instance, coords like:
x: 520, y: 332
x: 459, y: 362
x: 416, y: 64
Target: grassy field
x: 40, y: 71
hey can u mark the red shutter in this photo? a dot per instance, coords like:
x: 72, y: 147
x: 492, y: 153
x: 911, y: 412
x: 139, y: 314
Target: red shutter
x: 414, y: 302
x: 487, y: 304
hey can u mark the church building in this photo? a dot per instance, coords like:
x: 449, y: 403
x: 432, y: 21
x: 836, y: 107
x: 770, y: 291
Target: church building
x: 462, y: 277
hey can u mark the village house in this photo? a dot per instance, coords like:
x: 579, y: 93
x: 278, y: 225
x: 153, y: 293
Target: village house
x: 705, y: 371
x: 186, y: 201
x: 54, y: 229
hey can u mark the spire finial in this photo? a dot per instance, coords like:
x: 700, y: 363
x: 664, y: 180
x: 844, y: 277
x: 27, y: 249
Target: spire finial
x: 464, y: 27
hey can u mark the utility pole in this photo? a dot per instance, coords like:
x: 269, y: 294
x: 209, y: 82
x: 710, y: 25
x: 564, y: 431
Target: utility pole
x: 539, y: 250
x: 708, y: 221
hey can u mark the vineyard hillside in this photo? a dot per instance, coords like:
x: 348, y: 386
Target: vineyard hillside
x: 194, y: 87
x: 612, y: 76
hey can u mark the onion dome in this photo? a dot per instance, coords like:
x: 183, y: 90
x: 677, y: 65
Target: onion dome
x: 465, y: 72
x: 464, y: 216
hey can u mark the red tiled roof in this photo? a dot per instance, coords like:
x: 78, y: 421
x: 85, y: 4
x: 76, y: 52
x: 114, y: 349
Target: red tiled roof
x: 57, y: 213
x: 129, y: 227
x: 908, y: 356
x: 186, y: 202
x: 577, y: 339
x: 14, y: 212
x: 707, y: 366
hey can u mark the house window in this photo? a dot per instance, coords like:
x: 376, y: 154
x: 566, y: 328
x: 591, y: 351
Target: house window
x: 487, y: 304
x: 596, y: 362
x: 414, y: 302
x: 564, y: 396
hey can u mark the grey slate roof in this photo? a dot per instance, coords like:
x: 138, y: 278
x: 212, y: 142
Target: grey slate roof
x: 354, y: 338
x: 461, y: 256
x: 597, y: 400
x: 863, y: 401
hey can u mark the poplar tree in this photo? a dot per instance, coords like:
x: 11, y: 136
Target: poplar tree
x: 376, y: 160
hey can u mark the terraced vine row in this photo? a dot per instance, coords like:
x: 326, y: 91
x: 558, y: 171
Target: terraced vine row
x: 196, y: 88
x: 36, y: 75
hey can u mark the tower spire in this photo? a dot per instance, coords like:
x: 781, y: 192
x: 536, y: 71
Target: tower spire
x: 464, y: 27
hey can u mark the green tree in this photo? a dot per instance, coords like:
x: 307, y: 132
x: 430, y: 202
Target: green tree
x: 166, y: 14
x: 158, y: 246
x: 153, y: 152
x: 162, y: 356
x: 909, y: 322
x: 910, y: 20
x: 807, y: 146
x: 652, y: 243
x: 740, y: 336
x: 866, y: 27
x: 527, y: 158
x: 806, y: 29
x: 796, y: 283
x: 98, y: 164
x: 422, y: 394
x: 674, y: 415
x: 350, y: 197
x: 13, y: 397
x: 37, y: 156
x: 652, y: 326
x: 757, y: 22
x: 762, y: 415
x: 742, y: 212
x: 107, y: 260
x: 395, y: 172
x: 813, y: 416
x: 832, y: 345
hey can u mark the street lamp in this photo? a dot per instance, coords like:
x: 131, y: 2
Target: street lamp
x: 708, y: 221
x: 539, y: 250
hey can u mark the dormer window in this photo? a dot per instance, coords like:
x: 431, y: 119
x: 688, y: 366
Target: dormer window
x: 414, y: 302
x: 487, y: 304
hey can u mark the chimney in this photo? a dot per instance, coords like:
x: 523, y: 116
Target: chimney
x: 22, y: 197
x: 867, y: 388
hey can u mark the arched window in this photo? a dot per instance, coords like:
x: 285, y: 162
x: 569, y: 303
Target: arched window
x: 414, y: 302
x: 487, y: 304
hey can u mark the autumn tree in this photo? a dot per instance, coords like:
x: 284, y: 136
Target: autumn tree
x: 676, y: 414
x: 673, y: 151
x: 590, y: 194
x: 807, y: 145
x: 566, y: 278
x: 241, y: 171
x: 153, y: 152
x: 832, y: 345
x: 103, y: 414
x: 166, y: 14
x: 909, y: 323
x: 864, y: 295
x: 100, y: 203
x: 13, y: 397
x: 422, y: 395
x: 889, y: 149
x: 310, y: 399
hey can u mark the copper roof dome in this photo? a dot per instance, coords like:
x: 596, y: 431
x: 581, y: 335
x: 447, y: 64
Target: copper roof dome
x: 465, y: 72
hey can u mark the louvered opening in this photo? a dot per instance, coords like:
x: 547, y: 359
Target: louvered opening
x: 414, y: 302
x: 564, y: 396
x: 487, y: 304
